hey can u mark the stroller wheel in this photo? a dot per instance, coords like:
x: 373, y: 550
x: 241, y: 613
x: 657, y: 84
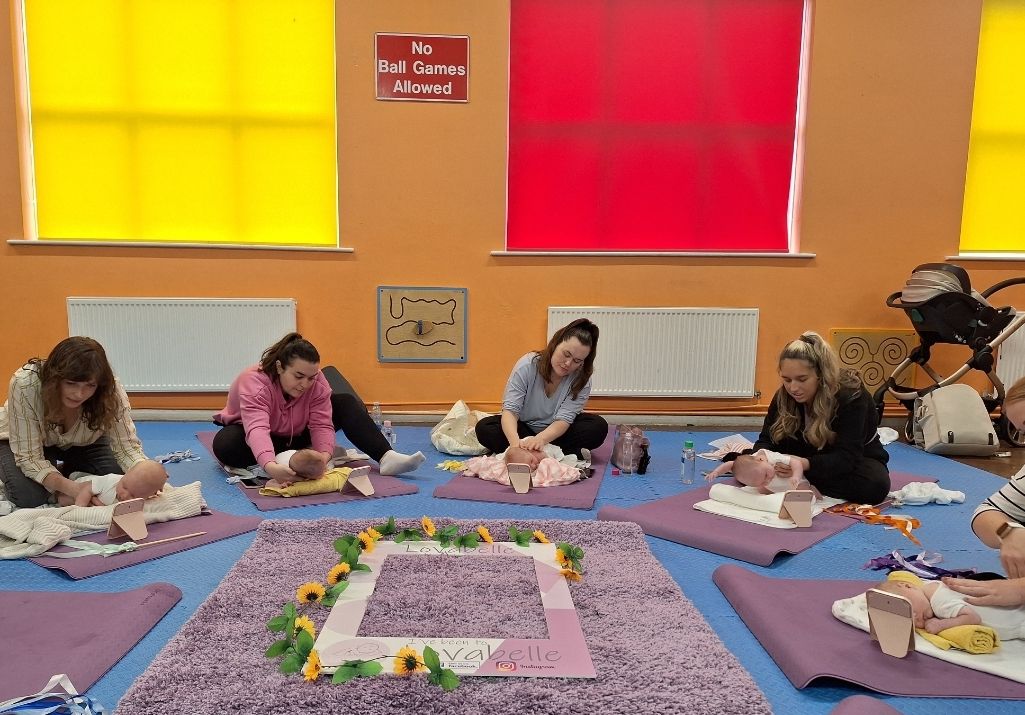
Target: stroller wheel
x: 1009, y: 433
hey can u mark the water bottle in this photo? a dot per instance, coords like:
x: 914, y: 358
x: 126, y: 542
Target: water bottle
x: 688, y: 463
x: 630, y: 456
x: 375, y: 414
x: 389, y: 433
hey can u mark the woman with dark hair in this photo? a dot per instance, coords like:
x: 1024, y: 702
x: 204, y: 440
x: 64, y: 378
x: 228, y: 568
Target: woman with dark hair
x: 823, y: 416
x: 285, y: 402
x: 545, y: 395
x: 68, y: 408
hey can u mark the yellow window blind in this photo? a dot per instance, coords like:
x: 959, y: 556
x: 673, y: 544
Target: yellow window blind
x: 184, y: 121
x: 993, y: 220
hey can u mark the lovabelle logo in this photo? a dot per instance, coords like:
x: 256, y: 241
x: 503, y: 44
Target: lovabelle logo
x: 505, y: 666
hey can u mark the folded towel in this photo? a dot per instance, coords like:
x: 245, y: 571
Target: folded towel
x: 970, y: 639
x: 332, y: 481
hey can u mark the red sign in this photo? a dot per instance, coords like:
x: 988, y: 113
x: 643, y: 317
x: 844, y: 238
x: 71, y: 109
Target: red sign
x: 422, y: 68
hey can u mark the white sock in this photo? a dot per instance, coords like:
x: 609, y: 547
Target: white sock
x: 393, y: 462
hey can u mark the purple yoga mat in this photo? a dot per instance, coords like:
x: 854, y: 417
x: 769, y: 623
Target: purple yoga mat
x: 80, y: 634
x: 383, y: 487
x: 578, y: 495
x: 863, y: 705
x: 817, y: 645
x: 675, y: 519
x: 216, y: 524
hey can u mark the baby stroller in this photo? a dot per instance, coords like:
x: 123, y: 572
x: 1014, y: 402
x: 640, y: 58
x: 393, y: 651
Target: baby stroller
x: 943, y: 308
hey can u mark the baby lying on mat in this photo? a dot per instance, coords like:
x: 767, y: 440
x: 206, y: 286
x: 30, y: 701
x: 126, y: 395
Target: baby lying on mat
x: 758, y: 470
x: 548, y: 469
x: 142, y: 480
x: 935, y: 608
x: 306, y: 464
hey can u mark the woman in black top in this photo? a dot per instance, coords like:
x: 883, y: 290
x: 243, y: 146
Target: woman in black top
x: 823, y: 415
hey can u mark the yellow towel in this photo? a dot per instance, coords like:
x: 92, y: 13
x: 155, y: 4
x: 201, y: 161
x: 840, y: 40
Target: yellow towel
x: 905, y: 576
x: 970, y: 639
x: 332, y: 481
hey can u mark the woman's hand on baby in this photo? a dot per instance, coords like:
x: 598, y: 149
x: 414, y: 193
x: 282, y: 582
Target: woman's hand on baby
x: 280, y: 473
x: 532, y: 443
x: 1010, y: 592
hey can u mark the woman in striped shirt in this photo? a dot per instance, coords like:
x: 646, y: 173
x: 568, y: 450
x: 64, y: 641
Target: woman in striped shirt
x: 999, y: 522
x: 67, y: 409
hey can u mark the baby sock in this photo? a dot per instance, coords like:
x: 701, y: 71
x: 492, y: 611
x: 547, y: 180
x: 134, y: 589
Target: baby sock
x: 393, y: 462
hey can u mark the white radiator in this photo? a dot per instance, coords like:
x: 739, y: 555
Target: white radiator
x: 670, y: 352
x: 181, y: 344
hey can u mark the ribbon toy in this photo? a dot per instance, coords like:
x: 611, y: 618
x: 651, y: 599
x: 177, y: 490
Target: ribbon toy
x: 871, y: 515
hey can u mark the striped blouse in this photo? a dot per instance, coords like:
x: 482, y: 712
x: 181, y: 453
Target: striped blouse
x: 22, y: 422
x: 1010, y: 499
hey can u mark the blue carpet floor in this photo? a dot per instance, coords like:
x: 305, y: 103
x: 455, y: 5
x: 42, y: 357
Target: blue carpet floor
x: 198, y: 571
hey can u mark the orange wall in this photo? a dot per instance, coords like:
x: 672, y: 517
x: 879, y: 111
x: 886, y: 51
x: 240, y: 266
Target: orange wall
x: 421, y: 193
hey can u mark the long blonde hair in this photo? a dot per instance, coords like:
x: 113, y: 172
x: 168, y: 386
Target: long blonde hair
x: 818, y: 415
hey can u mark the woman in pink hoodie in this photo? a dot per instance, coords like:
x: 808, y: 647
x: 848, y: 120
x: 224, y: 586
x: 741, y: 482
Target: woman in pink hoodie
x: 285, y: 402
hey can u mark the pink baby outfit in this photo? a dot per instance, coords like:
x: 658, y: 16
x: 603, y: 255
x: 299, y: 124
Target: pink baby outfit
x: 550, y: 472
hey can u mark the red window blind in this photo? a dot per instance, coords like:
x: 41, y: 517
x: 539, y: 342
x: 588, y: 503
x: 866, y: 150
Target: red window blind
x: 661, y: 125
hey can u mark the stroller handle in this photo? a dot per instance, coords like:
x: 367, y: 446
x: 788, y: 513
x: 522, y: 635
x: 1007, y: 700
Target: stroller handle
x: 1001, y: 285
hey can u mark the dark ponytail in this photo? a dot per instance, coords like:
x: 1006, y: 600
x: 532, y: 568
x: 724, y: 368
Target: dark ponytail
x: 286, y: 350
x: 587, y: 333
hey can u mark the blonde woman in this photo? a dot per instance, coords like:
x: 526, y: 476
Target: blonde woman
x: 826, y: 419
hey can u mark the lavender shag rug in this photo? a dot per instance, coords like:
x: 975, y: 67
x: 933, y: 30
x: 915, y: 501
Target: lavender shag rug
x: 653, y: 651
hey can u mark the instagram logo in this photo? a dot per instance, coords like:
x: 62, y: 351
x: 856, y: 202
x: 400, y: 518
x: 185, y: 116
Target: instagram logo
x: 505, y: 666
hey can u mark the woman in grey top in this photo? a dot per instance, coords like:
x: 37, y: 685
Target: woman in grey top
x: 545, y: 395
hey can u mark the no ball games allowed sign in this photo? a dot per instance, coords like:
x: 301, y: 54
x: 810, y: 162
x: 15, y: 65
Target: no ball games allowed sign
x: 422, y: 68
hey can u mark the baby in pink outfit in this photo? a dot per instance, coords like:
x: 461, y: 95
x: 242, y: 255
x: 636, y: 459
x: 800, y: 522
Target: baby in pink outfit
x: 545, y: 471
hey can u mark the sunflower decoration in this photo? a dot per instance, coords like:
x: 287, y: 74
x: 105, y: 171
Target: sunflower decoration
x: 408, y: 661
x: 571, y: 575
x: 366, y: 541
x: 561, y: 559
x: 485, y: 535
x: 311, y: 592
x: 303, y: 623
x: 540, y: 536
x: 373, y: 533
x: 428, y: 526
x: 337, y: 573
x: 312, y: 670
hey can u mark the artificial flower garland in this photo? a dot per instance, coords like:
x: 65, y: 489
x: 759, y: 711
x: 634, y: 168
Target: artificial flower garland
x: 299, y: 633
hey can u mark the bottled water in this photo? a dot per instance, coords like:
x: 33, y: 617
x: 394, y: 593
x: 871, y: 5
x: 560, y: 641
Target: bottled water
x: 688, y: 463
x: 375, y: 414
x: 631, y: 453
x: 389, y: 433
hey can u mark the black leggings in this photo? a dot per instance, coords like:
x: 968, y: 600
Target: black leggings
x: 869, y: 484
x: 347, y: 414
x: 587, y: 431
x: 95, y: 458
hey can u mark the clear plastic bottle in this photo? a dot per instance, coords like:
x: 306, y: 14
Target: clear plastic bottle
x: 688, y: 463
x: 389, y: 433
x: 630, y: 453
x: 375, y: 415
